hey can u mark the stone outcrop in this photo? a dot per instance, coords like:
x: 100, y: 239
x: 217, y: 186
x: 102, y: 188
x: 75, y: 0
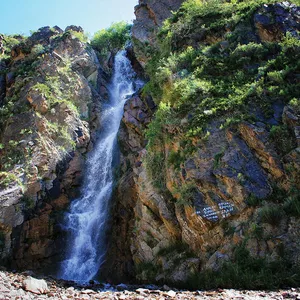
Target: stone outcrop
x: 216, y: 197
x: 273, y: 20
x: 228, y: 168
x: 45, y: 139
x: 150, y: 15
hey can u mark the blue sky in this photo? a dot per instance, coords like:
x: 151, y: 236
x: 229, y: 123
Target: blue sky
x: 21, y: 16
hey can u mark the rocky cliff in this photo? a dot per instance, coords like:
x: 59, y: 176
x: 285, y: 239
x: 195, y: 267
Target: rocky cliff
x: 206, y: 204
x: 150, y: 15
x: 49, y: 114
x: 207, y: 191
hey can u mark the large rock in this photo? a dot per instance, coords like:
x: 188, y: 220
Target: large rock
x: 150, y: 15
x: 36, y: 286
x: 273, y: 20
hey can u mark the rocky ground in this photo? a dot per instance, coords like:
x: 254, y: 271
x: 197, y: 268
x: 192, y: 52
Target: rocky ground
x: 23, y: 286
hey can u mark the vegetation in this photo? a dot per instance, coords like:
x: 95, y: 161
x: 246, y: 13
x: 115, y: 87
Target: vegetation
x: 14, y: 154
x: 286, y: 203
x: 83, y: 37
x: 253, y: 201
x: 147, y: 271
x: 8, y: 43
x: 187, y: 194
x: 247, y: 272
x: 2, y: 240
x: 221, y: 73
x: 283, y: 138
x: 271, y: 214
x: 28, y: 202
x: 8, y: 178
x: 111, y: 39
x: 177, y: 247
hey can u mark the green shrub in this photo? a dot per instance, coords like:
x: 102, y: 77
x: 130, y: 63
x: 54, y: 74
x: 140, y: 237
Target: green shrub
x: 155, y: 166
x: 247, y: 272
x: 12, y: 154
x: 9, y: 42
x: 42, y: 88
x: 29, y: 202
x: 37, y: 50
x: 256, y: 231
x: 111, y: 39
x: 243, y: 74
x: 291, y: 205
x: 147, y: 271
x: 80, y: 35
x: 187, y: 193
x: 278, y: 195
x: 253, y: 201
x: 271, y: 215
x: 175, y: 159
x: 283, y: 139
x: 8, y: 178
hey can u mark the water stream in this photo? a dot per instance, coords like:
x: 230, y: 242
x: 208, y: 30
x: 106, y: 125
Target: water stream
x: 86, y: 222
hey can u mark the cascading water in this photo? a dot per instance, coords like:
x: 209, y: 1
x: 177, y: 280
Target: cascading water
x: 87, y: 220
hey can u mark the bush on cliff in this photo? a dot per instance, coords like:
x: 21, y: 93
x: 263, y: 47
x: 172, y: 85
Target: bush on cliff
x: 112, y: 38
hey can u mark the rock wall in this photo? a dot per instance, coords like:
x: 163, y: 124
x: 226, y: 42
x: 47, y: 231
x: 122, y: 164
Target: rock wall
x: 49, y: 116
x: 217, y: 198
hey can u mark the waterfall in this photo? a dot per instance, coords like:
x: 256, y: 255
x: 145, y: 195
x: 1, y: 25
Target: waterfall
x: 86, y: 222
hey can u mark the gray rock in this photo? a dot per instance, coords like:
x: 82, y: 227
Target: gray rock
x: 36, y: 286
x: 74, y: 28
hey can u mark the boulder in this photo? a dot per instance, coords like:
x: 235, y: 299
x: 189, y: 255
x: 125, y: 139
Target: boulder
x: 43, y: 35
x: 74, y: 28
x: 36, y: 286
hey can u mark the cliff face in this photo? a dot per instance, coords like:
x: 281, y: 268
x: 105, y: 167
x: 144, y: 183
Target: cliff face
x: 208, y: 185
x: 49, y: 114
x: 196, y: 201
x: 150, y: 15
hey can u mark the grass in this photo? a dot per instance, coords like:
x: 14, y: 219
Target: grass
x: 147, y: 271
x: 283, y: 139
x: 291, y: 205
x: 156, y: 169
x: 178, y: 247
x: 12, y: 154
x: 6, y: 179
x: 243, y: 271
x: 187, y: 193
x: 253, y: 201
x: 247, y: 272
x: 271, y: 215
